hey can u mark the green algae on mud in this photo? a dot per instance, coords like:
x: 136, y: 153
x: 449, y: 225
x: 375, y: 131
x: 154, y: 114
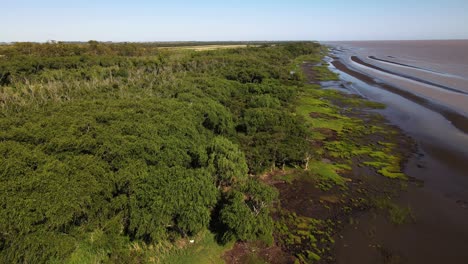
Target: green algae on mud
x: 397, y: 214
x: 313, y: 234
x: 347, y: 131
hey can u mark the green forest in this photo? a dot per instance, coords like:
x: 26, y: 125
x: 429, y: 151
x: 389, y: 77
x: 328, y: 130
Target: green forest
x: 112, y: 153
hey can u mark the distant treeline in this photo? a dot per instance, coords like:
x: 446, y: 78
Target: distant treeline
x: 63, y: 49
x: 92, y: 47
x: 103, y: 146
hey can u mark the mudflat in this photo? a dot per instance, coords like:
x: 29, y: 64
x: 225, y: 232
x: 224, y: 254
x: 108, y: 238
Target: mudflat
x: 436, y: 70
x: 449, y: 56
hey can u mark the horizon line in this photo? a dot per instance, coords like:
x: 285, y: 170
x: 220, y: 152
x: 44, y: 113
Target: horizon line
x: 238, y: 41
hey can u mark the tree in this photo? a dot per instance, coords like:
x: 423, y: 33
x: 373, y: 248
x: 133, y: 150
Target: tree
x: 259, y: 196
x: 226, y: 161
x: 242, y: 222
x: 238, y: 218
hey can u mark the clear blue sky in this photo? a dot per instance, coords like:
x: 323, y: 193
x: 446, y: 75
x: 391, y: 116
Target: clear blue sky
x: 152, y: 20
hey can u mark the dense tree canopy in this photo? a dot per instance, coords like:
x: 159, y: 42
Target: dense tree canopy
x: 102, y: 145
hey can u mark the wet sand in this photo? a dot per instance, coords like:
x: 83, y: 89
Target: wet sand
x: 448, y: 56
x: 439, y: 127
x: 407, y: 76
x: 416, y: 67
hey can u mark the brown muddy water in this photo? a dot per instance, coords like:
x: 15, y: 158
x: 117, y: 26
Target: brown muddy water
x: 436, y: 118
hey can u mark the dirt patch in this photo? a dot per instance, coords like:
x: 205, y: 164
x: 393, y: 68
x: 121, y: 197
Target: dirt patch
x: 307, y: 69
x: 320, y: 115
x: 328, y: 134
x: 244, y: 252
x: 304, y: 198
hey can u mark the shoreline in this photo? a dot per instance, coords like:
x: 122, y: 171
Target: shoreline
x: 438, y: 204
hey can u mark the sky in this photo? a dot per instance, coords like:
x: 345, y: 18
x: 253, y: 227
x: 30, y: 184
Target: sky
x: 209, y: 20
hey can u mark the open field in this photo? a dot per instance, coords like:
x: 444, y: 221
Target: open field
x: 209, y: 47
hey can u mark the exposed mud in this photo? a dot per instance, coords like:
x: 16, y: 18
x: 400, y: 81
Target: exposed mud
x: 311, y: 76
x: 250, y: 252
